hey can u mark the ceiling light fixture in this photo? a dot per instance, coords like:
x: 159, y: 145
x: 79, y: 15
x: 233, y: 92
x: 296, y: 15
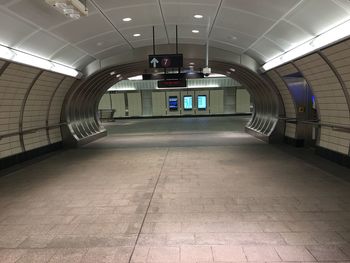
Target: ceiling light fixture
x: 195, y: 31
x: 337, y: 33
x: 137, y: 35
x: 198, y: 16
x: 70, y: 8
x: 127, y: 19
x: 34, y: 61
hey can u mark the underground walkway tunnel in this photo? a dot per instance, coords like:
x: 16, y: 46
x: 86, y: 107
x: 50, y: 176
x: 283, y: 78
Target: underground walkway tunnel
x: 165, y: 183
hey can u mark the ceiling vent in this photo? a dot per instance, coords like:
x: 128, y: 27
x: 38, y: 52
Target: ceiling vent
x: 70, y: 8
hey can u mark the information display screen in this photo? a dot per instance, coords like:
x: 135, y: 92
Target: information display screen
x: 202, y: 102
x: 173, y: 103
x: 188, y: 102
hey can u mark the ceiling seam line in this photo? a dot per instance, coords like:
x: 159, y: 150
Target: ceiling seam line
x: 19, y: 43
x: 109, y: 21
x: 274, y: 24
x: 94, y: 36
x: 106, y: 49
x: 165, y: 26
x: 340, y: 5
x: 299, y: 27
x: 39, y: 28
x: 80, y: 58
x: 214, y: 21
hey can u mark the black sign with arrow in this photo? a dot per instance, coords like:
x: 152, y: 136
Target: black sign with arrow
x: 165, y: 61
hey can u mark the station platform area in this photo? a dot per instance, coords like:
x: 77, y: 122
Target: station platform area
x: 185, y: 190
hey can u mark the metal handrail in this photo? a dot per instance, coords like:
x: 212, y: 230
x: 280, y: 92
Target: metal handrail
x: 335, y: 127
x: 287, y: 119
x: 317, y: 123
x: 33, y: 130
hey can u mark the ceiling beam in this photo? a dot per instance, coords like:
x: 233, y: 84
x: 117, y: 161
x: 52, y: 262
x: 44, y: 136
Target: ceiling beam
x: 111, y: 23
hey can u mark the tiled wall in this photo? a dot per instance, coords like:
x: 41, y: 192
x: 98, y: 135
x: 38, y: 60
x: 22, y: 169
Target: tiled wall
x: 26, y: 94
x: 332, y: 104
x: 288, y: 102
x: 36, y: 107
x: 56, y: 108
x: 328, y: 74
x: 339, y: 57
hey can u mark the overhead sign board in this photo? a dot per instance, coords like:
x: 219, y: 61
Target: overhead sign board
x: 165, y: 61
x: 191, y: 75
x: 176, y: 83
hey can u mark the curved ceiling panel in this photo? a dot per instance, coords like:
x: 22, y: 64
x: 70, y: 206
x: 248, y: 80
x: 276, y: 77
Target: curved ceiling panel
x: 260, y: 28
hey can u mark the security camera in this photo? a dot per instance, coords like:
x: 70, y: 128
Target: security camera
x: 206, y: 71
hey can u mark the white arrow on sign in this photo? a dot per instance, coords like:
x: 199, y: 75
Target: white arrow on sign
x: 154, y: 61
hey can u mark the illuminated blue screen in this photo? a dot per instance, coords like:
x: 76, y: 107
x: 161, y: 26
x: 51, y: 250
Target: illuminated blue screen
x: 202, y: 102
x: 173, y: 104
x: 188, y: 102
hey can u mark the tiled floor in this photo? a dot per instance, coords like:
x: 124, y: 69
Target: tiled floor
x: 191, y: 196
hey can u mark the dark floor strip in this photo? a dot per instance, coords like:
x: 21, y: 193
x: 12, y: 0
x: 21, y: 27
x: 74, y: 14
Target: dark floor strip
x: 149, y: 205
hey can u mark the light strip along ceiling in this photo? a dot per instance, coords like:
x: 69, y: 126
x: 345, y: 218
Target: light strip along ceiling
x: 333, y: 35
x: 32, y: 60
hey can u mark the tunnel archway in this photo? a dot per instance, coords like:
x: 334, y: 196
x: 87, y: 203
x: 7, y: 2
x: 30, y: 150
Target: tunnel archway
x: 81, y: 105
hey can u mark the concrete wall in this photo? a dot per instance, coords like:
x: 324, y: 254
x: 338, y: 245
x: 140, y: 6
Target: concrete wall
x: 30, y: 107
x: 155, y: 103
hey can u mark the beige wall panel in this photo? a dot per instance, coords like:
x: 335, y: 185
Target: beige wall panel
x: 105, y: 102
x: 290, y: 130
x: 288, y: 102
x: 10, y: 146
x: 287, y: 69
x: 216, y: 101
x: 35, y: 140
x: 55, y: 135
x: 242, y: 101
x: 134, y: 104
x: 58, y: 99
x: 118, y: 104
x: 14, y: 83
x: 287, y: 98
x: 331, y: 100
x: 159, y: 107
x: 36, y: 109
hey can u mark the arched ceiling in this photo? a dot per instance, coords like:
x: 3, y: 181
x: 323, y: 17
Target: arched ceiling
x: 259, y: 28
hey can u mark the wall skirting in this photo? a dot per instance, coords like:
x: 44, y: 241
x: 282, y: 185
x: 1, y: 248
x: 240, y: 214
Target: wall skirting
x: 28, y: 155
x: 339, y: 158
x: 295, y: 142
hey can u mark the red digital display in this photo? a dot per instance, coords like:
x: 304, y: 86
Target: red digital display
x: 182, y: 83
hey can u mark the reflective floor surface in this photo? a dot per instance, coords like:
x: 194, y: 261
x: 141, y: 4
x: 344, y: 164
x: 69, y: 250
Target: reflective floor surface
x: 175, y: 190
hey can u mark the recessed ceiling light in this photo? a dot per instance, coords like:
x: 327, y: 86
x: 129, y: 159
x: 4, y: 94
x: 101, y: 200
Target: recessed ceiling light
x: 195, y: 31
x: 112, y: 73
x: 137, y: 35
x: 233, y: 37
x: 198, y: 16
x: 127, y: 19
x: 232, y: 69
x: 191, y: 63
